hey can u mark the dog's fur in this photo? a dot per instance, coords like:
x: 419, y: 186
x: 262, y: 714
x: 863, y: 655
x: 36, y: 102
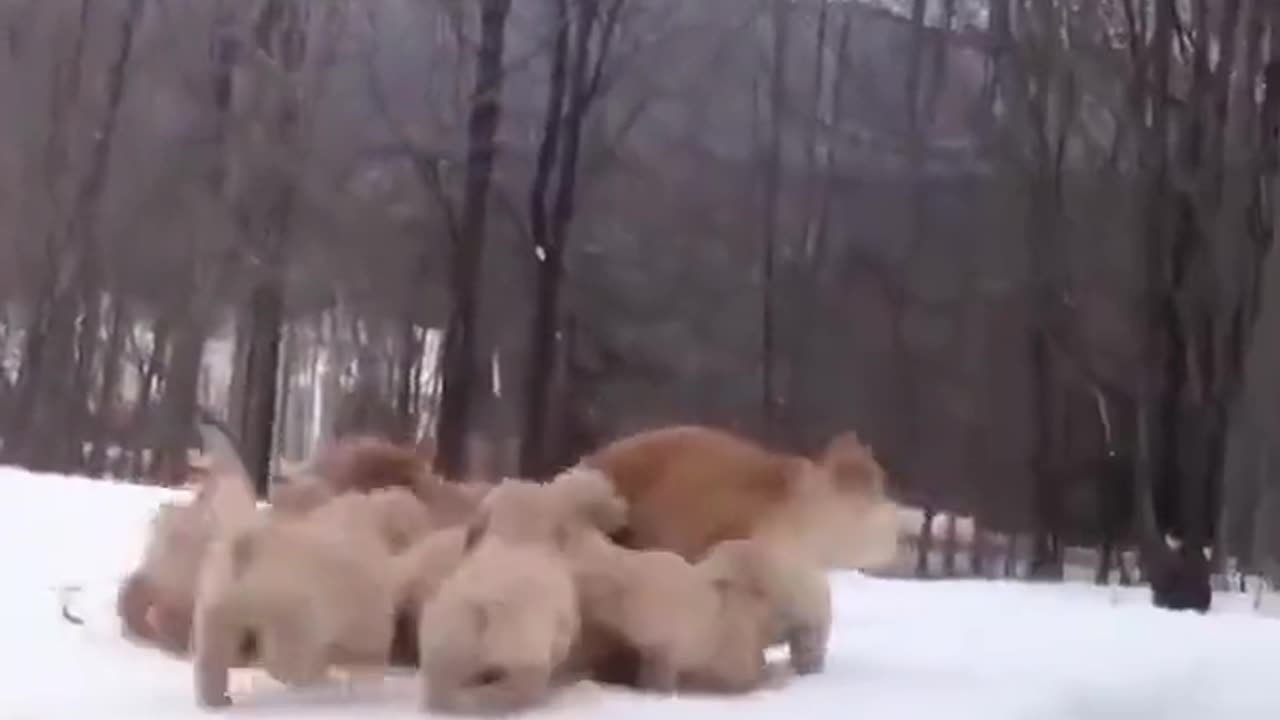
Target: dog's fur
x: 689, y: 487
x: 502, y: 627
x: 421, y: 550
x: 703, y: 626
x: 423, y: 568
x: 498, y: 630
x: 362, y: 464
x: 524, y: 512
x: 309, y: 591
x: 155, y: 602
x: 394, y: 515
x: 310, y: 595
x: 671, y: 614
x: 797, y: 593
x: 420, y: 571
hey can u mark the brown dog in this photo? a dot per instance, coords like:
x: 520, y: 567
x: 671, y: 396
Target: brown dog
x: 688, y: 488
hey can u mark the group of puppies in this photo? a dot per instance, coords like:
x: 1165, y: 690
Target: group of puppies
x: 668, y: 560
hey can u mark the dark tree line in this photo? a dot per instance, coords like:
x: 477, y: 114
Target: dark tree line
x: 1022, y: 246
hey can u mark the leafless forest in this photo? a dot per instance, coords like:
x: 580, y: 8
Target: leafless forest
x: 1021, y: 246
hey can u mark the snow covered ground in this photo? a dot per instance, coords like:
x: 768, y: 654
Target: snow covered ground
x: 901, y: 649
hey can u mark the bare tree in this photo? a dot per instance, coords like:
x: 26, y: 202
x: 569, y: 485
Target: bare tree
x: 460, y: 365
x: 43, y: 426
x: 771, y: 169
x: 582, y: 41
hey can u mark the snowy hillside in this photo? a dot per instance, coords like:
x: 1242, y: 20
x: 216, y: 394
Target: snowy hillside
x: 901, y: 649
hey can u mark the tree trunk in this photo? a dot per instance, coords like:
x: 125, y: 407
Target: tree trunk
x: 978, y: 550
x: 540, y: 369
x: 1011, y: 556
x: 1204, y: 323
x: 1152, y: 471
x: 107, y: 400
x: 540, y: 362
x: 49, y: 441
x: 769, y: 203
x: 459, y: 364
x: 1046, y: 560
x: 806, y: 387
x: 573, y: 88
x: 280, y: 33
x: 949, y: 550
x: 262, y: 361
x: 178, y: 412
x: 407, y: 367
x: 925, y: 547
x: 32, y: 440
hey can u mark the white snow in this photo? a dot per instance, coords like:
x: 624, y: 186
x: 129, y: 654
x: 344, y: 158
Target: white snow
x: 901, y: 649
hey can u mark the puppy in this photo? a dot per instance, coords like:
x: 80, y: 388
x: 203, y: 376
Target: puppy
x: 309, y: 594
x: 498, y: 630
x: 421, y: 553
x: 156, y: 601
x: 796, y: 593
x: 684, y: 625
x: 689, y: 487
x: 501, y: 628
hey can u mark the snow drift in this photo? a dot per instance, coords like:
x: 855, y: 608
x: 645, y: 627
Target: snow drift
x: 900, y: 649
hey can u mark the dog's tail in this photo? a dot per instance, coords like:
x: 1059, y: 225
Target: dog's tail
x: 218, y: 443
x: 226, y: 488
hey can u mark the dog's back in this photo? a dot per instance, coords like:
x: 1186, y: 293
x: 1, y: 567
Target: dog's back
x: 688, y: 487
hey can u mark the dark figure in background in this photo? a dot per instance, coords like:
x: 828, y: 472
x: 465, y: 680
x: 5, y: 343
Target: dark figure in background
x: 1180, y: 577
x: 1179, y: 568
